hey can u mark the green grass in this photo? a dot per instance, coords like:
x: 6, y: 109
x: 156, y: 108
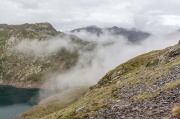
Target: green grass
x: 4, y: 35
x: 54, y: 103
x: 130, y: 66
x: 171, y: 85
x: 142, y: 96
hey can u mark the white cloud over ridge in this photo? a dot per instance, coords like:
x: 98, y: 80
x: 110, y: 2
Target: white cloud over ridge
x: 149, y: 15
x: 110, y: 52
x: 92, y: 66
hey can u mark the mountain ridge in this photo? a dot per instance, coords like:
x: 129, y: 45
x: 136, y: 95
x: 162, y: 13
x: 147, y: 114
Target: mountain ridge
x: 146, y: 86
x: 133, y: 35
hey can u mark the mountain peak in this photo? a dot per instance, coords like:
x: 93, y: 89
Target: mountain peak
x: 92, y: 26
x: 115, y: 27
x: 36, y: 30
x: 43, y: 24
x: 93, y: 29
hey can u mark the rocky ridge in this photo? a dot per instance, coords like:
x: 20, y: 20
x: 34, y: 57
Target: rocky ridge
x: 158, y: 107
x: 146, y: 86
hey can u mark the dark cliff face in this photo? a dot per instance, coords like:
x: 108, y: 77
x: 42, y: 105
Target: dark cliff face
x: 132, y: 35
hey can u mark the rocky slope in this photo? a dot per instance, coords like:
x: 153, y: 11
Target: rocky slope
x: 132, y: 35
x: 147, y: 86
x: 22, y: 66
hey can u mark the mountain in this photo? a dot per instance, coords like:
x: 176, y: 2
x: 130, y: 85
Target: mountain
x: 132, y: 35
x: 27, y: 55
x: 146, y: 86
x: 90, y: 29
x: 37, y: 30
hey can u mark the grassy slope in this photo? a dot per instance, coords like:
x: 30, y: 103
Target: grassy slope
x: 54, y: 103
x: 139, y: 71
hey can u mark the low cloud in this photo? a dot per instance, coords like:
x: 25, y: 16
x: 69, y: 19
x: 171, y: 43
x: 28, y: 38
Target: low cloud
x: 95, y: 64
x: 109, y: 52
x: 41, y: 48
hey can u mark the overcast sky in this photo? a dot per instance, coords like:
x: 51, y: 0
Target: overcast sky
x: 155, y: 16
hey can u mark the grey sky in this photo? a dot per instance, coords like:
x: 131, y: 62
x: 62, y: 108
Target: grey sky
x: 155, y: 16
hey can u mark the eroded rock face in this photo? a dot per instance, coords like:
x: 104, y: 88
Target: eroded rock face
x: 171, y: 54
x: 175, y: 52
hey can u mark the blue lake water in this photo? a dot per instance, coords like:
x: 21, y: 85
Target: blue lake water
x: 15, y: 101
x: 6, y: 112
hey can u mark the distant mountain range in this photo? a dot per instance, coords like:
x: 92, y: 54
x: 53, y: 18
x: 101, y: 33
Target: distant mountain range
x: 133, y: 35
